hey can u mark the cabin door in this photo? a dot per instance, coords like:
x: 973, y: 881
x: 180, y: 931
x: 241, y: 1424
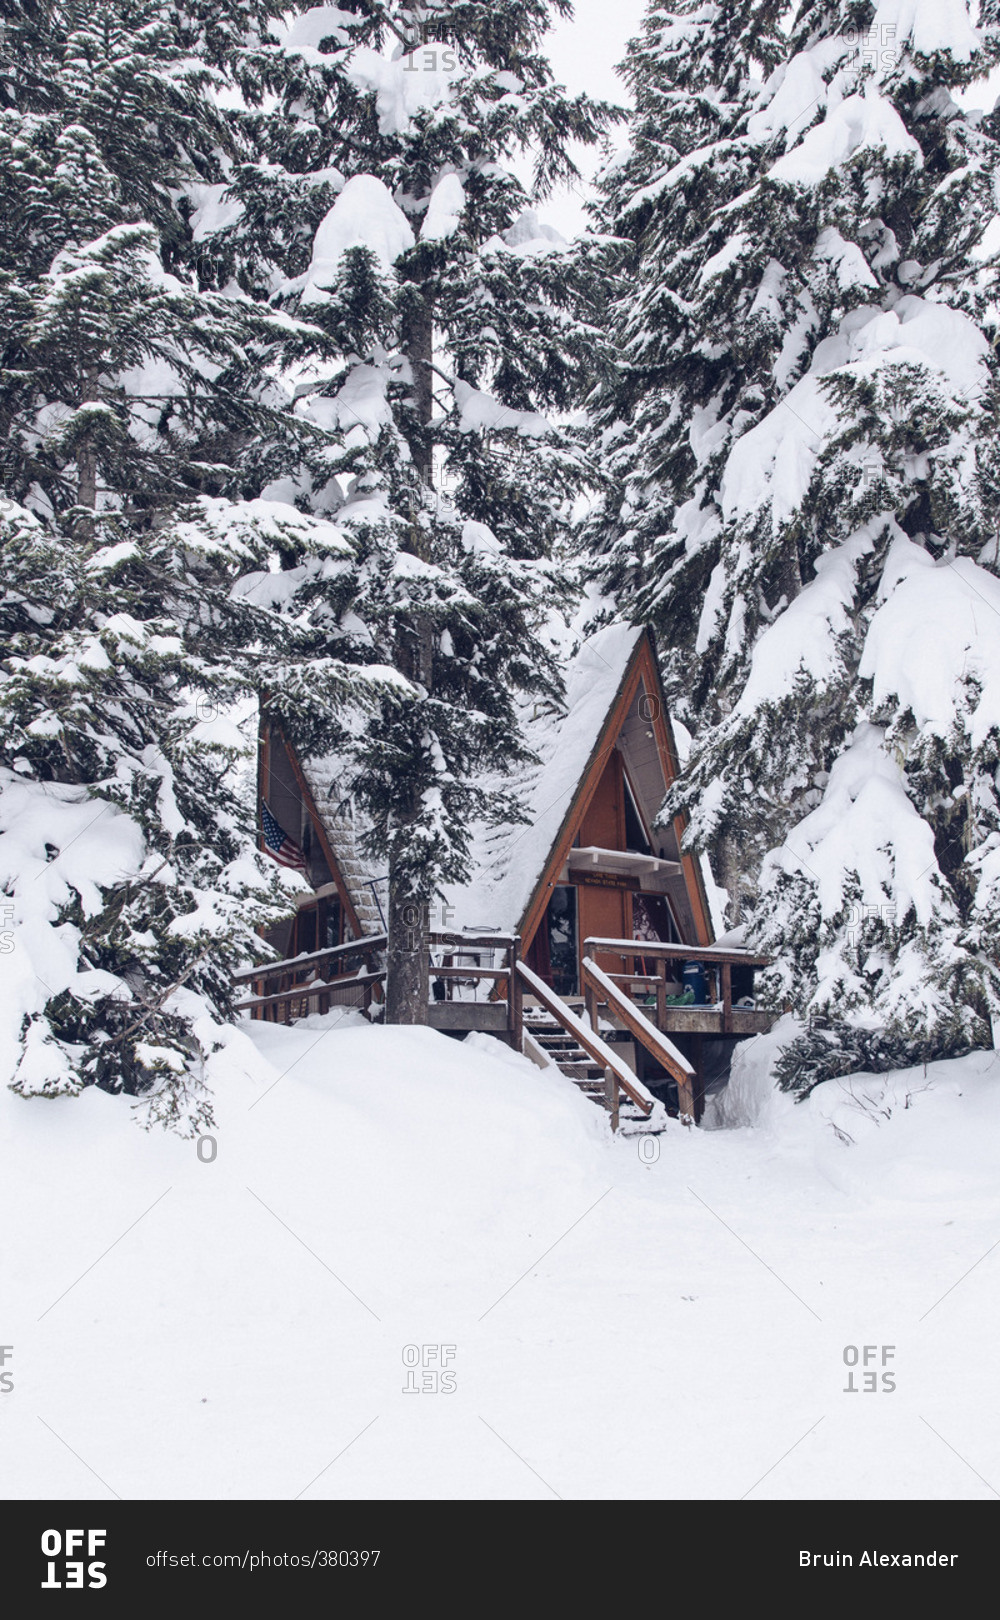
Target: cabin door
x: 604, y: 912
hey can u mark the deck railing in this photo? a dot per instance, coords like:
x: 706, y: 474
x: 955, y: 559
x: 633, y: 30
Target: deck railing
x: 617, y: 1074
x: 601, y: 990
x: 353, y: 975
x: 496, y: 980
x: 718, y: 961
x: 349, y: 975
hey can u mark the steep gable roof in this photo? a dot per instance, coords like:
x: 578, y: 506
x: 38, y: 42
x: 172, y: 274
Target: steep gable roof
x: 511, y: 860
x: 514, y: 865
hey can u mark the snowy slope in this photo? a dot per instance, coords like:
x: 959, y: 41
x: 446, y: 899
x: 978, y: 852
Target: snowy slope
x: 620, y: 1328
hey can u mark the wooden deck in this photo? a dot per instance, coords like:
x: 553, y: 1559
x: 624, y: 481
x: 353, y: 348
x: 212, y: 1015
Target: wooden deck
x: 479, y: 983
x: 477, y: 994
x: 713, y: 1021
x: 491, y: 1018
x: 718, y: 1016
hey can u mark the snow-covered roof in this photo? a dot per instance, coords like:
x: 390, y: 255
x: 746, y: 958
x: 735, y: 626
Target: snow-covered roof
x: 508, y: 860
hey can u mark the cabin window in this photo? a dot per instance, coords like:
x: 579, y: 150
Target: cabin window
x: 319, y: 868
x: 563, y: 953
x: 635, y: 832
x: 329, y: 923
x: 653, y: 919
x: 305, y: 932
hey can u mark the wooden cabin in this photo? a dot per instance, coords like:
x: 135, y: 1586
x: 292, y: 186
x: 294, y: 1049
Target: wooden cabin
x: 584, y: 933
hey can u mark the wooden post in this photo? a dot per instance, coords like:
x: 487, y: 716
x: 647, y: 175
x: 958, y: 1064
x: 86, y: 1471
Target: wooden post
x: 698, y: 1083
x: 611, y: 1096
x: 590, y: 1002
x: 685, y: 1103
x: 727, y: 998
x: 515, y: 999
x: 589, y: 993
x: 661, y: 992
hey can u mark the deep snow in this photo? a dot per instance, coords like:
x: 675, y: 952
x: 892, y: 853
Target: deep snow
x: 621, y: 1328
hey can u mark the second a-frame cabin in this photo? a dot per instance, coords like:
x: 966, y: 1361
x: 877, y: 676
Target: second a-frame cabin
x: 584, y: 936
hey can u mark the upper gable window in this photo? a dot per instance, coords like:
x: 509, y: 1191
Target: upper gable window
x: 635, y: 832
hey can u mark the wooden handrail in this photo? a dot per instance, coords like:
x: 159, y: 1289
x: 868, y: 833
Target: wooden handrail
x: 312, y: 987
x: 354, y: 947
x: 472, y: 972
x: 589, y: 1039
x: 656, y: 1044
x: 367, y: 943
x: 657, y: 949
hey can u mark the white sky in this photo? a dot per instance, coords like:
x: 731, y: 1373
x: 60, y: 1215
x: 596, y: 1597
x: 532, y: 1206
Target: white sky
x: 583, y: 54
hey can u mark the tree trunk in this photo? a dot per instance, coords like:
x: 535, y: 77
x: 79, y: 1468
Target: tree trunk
x: 418, y: 341
x: 86, y: 456
x: 407, y: 957
x: 407, y: 988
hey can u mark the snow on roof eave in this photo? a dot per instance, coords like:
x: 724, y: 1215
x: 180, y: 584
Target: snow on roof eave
x: 358, y: 876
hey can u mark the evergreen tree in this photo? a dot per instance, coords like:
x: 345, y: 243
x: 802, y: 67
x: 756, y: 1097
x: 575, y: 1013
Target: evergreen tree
x: 138, y: 406
x: 675, y: 381
x: 128, y: 854
x: 406, y: 241
x: 827, y: 533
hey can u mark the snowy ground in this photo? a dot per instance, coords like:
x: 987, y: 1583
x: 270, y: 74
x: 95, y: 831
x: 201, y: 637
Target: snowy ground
x: 620, y: 1328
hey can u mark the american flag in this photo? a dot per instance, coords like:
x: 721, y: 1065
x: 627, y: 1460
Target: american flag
x: 277, y: 843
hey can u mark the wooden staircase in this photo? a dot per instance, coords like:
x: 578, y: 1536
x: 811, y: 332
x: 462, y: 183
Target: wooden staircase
x: 553, y: 1033
x: 553, y: 1042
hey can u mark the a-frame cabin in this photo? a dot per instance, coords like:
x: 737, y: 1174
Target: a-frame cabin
x: 592, y: 894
